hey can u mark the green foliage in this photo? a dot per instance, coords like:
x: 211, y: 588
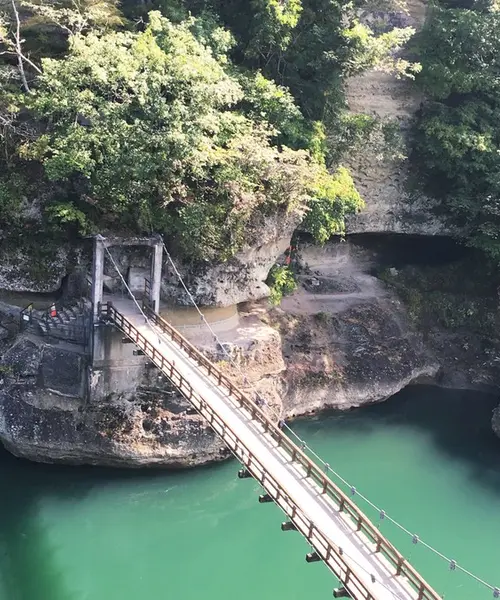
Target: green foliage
x: 274, y: 22
x: 197, y: 127
x: 74, y: 16
x: 282, y: 282
x: 334, y: 198
x: 441, y: 295
x: 378, y: 51
x: 156, y: 129
x: 267, y: 102
x: 306, y: 46
x: 457, y: 139
x: 459, y: 53
x: 135, y: 116
x: 65, y: 213
x: 11, y: 199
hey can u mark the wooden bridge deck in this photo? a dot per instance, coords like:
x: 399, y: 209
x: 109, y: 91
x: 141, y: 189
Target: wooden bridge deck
x: 368, y: 566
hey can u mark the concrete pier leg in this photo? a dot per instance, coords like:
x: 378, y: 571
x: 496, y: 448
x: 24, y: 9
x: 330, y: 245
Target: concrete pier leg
x: 97, y: 275
x: 156, y: 268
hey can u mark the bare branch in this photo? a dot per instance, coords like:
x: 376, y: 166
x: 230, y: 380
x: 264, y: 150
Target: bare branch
x: 32, y: 64
x: 17, y: 42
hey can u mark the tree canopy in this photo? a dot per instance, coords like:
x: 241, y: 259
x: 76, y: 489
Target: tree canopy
x: 457, y: 145
x: 194, y: 126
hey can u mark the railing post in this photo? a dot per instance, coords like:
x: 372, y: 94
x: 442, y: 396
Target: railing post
x: 401, y: 561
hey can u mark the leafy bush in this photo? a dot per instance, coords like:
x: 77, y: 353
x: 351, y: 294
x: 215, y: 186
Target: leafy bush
x: 334, y: 199
x: 282, y: 282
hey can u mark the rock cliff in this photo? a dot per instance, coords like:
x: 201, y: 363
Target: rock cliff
x: 340, y: 341
x: 380, y: 167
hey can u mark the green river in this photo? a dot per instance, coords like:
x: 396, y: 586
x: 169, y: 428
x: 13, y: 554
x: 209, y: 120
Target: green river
x: 427, y: 457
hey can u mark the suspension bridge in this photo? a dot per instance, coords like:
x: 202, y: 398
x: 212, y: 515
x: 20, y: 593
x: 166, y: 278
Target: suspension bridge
x: 364, y: 561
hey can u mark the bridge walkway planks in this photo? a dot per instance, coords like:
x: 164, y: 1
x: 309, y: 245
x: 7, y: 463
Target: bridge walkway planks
x: 368, y: 573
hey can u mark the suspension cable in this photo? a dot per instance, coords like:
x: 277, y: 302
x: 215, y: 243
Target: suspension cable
x: 325, y: 465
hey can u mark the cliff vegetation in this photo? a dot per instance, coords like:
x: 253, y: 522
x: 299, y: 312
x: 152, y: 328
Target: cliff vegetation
x: 457, y: 137
x: 188, y: 118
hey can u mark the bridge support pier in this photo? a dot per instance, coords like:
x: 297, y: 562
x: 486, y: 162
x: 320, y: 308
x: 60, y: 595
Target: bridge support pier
x: 97, y: 275
x: 288, y: 526
x: 156, y: 264
x: 340, y: 593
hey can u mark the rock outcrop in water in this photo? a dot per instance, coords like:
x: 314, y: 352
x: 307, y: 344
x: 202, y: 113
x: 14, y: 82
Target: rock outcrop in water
x: 46, y: 414
x: 341, y: 341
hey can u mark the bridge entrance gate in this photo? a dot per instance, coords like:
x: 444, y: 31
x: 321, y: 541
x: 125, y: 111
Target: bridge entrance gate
x: 101, y: 244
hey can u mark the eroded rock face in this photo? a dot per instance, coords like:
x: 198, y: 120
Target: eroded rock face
x: 241, y: 278
x: 346, y: 340
x: 358, y: 356
x: 45, y: 416
x: 382, y: 178
x: 24, y: 270
x: 495, y: 421
x: 122, y: 412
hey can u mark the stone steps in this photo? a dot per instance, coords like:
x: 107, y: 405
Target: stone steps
x: 70, y: 322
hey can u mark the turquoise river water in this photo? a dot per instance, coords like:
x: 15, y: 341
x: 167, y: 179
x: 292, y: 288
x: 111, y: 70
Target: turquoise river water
x: 427, y: 457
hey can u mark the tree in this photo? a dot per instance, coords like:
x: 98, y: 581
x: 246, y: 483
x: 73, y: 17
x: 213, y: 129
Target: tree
x: 156, y: 129
x: 457, y: 138
x: 75, y: 16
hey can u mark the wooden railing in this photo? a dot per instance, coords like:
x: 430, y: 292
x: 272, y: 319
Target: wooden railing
x: 331, y: 554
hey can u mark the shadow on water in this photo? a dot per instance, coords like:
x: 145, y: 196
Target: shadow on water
x: 458, y: 423
x: 28, y: 558
x: 28, y: 568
